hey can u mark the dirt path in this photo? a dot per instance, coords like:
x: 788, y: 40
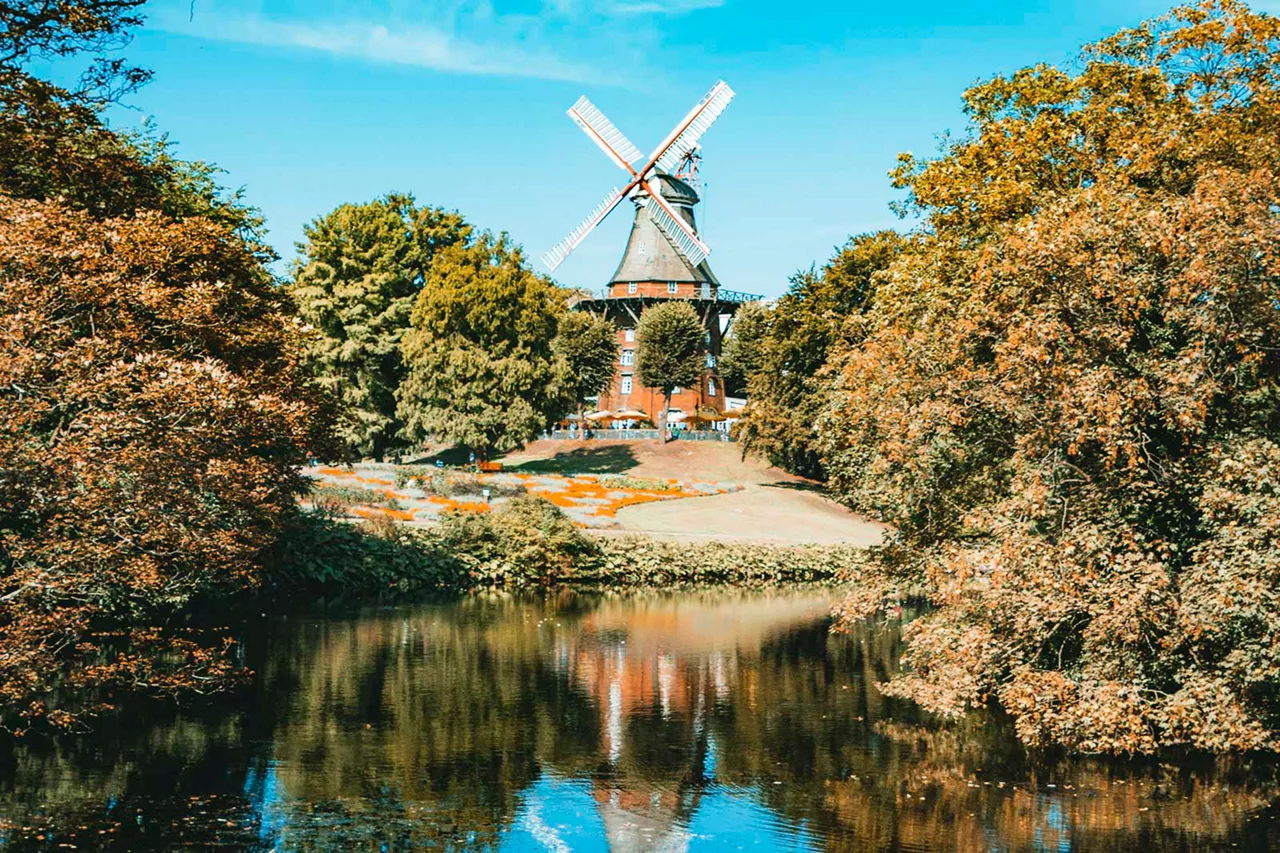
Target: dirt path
x: 772, y: 507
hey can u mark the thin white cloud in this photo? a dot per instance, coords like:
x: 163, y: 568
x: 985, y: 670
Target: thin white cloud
x: 424, y: 47
x: 571, y: 40
x: 663, y: 7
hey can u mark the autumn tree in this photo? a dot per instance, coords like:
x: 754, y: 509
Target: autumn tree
x: 1067, y: 397
x: 788, y: 386
x: 587, y: 349
x: 669, y: 348
x: 481, y: 370
x: 53, y: 143
x: 155, y: 417
x: 355, y: 281
x: 154, y: 411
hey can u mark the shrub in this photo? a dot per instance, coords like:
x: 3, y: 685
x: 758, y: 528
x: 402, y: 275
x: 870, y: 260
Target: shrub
x: 526, y: 541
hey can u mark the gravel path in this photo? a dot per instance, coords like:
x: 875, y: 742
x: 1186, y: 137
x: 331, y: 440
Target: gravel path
x: 773, y: 507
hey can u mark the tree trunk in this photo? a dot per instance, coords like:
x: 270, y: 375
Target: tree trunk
x: 666, y: 411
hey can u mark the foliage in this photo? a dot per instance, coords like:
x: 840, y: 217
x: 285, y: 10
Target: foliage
x: 669, y: 347
x: 340, y: 498
x: 321, y: 554
x: 741, y: 354
x: 587, y: 349
x: 355, y: 282
x: 479, y: 355
x: 786, y: 374
x: 154, y: 417
x: 53, y: 143
x: 626, y: 481
x: 1066, y: 397
x: 529, y: 542
x: 523, y: 542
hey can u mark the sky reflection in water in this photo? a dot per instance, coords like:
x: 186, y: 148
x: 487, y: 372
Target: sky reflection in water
x: 582, y: 722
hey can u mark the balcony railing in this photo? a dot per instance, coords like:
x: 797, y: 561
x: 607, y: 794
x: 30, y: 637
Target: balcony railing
x: 735, y: 296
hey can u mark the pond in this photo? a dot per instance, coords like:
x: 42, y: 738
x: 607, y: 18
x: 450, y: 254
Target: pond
x: 714, y: 720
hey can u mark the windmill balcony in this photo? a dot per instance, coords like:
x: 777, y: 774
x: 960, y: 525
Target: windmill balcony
x: 663, y: 290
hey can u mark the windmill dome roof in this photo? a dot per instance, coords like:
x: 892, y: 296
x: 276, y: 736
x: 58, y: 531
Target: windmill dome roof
x: 677, y: 191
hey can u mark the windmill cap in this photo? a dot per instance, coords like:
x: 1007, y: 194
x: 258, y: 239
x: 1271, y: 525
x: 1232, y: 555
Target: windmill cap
x: 675, y: 190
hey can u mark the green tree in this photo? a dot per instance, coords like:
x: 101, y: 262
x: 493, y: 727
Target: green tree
x: 1067, y: 397
x: 587, y: 348
x: 481, y: 370
x: 355, y: 282
x: 789, y: 388
x: 669, y: 350
x: 742, y: 353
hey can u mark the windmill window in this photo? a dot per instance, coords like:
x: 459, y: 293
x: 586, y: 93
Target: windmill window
x: 671, y: 287
x: 629, y: 335
x: 631, y: 287
x: 626, y: 384
x: 711, y: 360
x: 628, y: 356
x: 711, y: 387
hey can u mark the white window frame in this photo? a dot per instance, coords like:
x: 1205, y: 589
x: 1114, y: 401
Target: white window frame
x: 626, y: 383
x: 672, y: 287
x: 628, y: 335
x: 628, y: 357
x: 711, y: 386
x: 632, y: 287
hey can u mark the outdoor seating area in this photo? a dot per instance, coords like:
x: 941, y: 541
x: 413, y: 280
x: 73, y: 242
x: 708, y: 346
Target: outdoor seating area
x: 704, y: 424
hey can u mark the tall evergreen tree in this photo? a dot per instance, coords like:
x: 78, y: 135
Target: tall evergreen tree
x: 355, y: 281
x: 481, y: 371
x: 669, y: 352
x: 742, y: 353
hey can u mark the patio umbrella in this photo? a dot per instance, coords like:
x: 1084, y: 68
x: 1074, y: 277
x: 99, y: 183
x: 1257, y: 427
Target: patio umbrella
x: 602, y: 415
x: 631, y: 415
x: 735, y: 413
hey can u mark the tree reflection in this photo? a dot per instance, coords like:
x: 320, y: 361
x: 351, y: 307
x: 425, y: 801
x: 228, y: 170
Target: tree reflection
x: 638, y: 722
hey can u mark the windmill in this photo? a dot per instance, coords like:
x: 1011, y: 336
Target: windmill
x: 677, y: 155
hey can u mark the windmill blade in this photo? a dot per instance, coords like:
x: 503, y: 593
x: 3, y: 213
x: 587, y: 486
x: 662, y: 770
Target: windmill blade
x: 562, y: 249
x: 684, y: 138
x: 602, y: 132
x: 679, y: 232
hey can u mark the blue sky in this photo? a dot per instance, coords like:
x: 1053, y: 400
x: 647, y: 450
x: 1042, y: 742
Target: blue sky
x: 311, y: 103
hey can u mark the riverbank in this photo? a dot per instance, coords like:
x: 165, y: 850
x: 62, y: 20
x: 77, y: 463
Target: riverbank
x: 529, y: 542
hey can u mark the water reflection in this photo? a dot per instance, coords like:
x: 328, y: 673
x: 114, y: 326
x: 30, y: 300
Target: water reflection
x: 712, y: 721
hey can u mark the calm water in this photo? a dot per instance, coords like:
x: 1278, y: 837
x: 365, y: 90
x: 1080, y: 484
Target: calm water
x: 654, y: 723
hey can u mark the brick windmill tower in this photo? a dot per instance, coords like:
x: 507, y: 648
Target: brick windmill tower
x: 665, y: 258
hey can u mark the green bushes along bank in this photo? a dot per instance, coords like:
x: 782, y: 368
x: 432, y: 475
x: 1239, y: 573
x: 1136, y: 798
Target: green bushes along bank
x: 526, y: 543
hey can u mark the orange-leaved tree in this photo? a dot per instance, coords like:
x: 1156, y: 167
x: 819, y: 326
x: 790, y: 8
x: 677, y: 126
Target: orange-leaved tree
x: 153, y: 415
x: 1067, y: 399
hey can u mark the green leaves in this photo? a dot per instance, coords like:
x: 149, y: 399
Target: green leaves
x: 795, y: 340
x: 481, y: 370
x: 355, y: 283
x: 587, y: 350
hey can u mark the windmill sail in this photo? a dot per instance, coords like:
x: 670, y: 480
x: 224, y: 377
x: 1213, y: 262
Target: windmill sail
x: 675, y: 229
x: 665, y: 160
x: 684, y: 138
x: 602, y: 132
x: 562, y: 249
